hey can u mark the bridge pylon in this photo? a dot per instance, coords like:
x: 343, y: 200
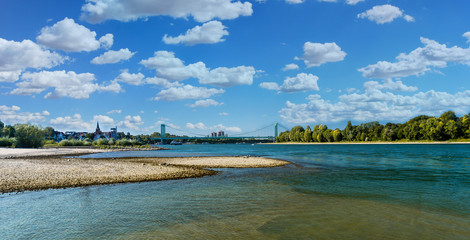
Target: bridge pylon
x: 276, y: 126
x: 162, y: 132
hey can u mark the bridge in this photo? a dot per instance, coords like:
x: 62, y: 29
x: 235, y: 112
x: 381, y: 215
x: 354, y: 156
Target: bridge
x: 249, y: 135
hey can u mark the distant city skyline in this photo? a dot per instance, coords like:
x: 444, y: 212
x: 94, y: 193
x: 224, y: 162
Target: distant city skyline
x: 234, y: 66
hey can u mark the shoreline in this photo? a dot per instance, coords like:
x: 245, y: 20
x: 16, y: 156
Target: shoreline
x: 365, y: 143
x: 40, y: 169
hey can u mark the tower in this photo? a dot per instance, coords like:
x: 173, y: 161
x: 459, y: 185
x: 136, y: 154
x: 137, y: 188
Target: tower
x: 98, y: 130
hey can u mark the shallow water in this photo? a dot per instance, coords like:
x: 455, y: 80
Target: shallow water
x: 330, y: 192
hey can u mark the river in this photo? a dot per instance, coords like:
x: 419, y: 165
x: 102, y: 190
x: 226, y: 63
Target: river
x: 403, y: 191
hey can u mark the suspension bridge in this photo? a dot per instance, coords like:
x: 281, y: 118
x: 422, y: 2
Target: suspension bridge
x: 258, y: 134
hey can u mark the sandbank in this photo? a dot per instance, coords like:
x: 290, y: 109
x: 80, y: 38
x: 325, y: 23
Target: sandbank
x: 36, y: 169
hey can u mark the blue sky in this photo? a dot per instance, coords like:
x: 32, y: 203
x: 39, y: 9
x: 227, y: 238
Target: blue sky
x: 203, y: 66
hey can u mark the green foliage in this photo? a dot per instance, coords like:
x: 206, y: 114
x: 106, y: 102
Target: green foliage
x: 73, y: 143
x: 8, y: 131
x: 28, y: 136
x: 421, y: 128
x: 49, y: 132
x: 7, y: 142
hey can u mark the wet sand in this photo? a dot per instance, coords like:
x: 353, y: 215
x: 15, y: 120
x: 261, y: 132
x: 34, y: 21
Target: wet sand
x: 35, y: 169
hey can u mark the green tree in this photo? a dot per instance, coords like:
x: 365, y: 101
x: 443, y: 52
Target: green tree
x: 28, y: 136
x: 296, y: 134
x: 1, y: 125
x: 307, y: 135
x: 8, y: 131
x: 337, y: 135
x: 49, y: 132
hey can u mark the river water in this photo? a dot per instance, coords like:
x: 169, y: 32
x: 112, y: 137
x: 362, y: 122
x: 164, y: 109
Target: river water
x: 329, y: 192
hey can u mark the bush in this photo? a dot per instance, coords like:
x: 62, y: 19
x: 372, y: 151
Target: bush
x: 100, y: 142
x: 28, y: 136
x: 7, y: 142
x: 74, y: 143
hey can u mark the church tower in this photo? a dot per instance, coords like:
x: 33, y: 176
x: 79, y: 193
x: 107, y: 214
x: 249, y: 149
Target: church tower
x: 98, y: 130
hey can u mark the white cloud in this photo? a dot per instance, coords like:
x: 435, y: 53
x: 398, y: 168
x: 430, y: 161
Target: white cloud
x: 18, y: 56
x: 103, y: 120
x: 300, y: 83
x: 206, y: 103
x: 162, y: 82
x: 71, y: 123
x: 223, y: 114
x: 291, y: 66
x: 316, y: 54
x: 131, y: 122
x: 71, y: 37
x: 130, y: 78
x: 113, y: 56
x: 95, y: 11
x: 418, y: 61
x: 270, y: 86
x: 107, y: 40
x: 209, y: 33
x: 354, y: 2
x: 467, y: 35
x: 187, y: 92
x: 384, y: 14
x: 171, y: 68
x: 65, y: 84
x: 294, y: 1
x: 389, y: 84
x: 375, y: 104
x: 118, y: 111
x: 218, y: 127
x: 13, y: 115
x: 228, y: 77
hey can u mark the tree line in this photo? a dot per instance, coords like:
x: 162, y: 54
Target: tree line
x: 421, y: 128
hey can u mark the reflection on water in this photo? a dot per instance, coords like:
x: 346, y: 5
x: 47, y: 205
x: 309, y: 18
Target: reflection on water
x: 333, y: 192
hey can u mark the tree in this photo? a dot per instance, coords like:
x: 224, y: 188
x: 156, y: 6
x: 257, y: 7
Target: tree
x: 8, y: 131
x: 307, y: 135
x: 28, y: 136
x: 296, y: 134
x: 337, y: 135
x: 1, y: 125
x: 49, y: 132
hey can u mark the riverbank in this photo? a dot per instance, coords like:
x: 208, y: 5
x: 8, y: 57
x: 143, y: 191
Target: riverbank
x: 36, y: 169
x: 365, y: 143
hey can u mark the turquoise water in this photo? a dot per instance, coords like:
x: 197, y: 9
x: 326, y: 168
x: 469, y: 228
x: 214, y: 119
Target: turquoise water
x: 329, y: 192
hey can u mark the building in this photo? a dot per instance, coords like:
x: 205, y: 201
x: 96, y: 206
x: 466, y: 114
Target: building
x: 221, y: 134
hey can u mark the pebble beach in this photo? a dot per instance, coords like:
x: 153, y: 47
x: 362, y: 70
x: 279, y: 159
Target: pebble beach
x: 36, y: 169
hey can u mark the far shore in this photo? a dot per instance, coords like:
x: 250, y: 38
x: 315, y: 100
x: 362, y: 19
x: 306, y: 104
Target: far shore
x: 365, y: 143
x: 36, y: 169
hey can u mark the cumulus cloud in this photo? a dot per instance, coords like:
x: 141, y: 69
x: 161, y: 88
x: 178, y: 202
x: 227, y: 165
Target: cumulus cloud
x: 294, y: 1
x: 300, y: 83
x: 384, y: 14
x: 169, y: 67
x: 467, y: 35
x: 228, y: 77
x: 95, y: 11
x: 209, y: 33
x: 187, y: 92
x: 206, y: 103
x: 72, y: 37
x: 71, y: 123
x: 418, y: 61
x: 291, y: 66
x: 131, y: 122
x: 118, y: 111
x: 113, y: 56
x: 65, y: 84
x: 354, y: 2
x: 316, y: 54
x: 13, y: 115
x: 218, y: 127
x: 375, y: 103
x: 18, y: 56
x: 130, y: 78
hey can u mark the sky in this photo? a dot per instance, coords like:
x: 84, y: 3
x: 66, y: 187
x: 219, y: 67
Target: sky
x: 201, y: 66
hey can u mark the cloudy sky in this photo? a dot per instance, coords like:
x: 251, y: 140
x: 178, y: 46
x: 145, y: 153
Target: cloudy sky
x: 206, y: 65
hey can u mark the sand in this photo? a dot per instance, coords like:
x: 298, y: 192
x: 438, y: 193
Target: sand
x: 35, y: 169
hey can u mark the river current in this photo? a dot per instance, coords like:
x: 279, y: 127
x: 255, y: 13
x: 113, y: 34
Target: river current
x: 404, y: 191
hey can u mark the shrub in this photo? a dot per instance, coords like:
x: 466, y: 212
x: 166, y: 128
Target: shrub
x: 28, y: 136
x: 7, y: 142
x: 100, y: 142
